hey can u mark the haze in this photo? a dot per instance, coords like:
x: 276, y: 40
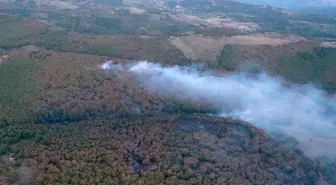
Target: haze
x: 302, y: 111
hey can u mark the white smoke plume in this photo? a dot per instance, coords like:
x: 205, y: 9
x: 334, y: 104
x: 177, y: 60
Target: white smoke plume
x: 301, y: 111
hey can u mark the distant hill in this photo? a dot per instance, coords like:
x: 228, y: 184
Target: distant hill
x: 307, y: 6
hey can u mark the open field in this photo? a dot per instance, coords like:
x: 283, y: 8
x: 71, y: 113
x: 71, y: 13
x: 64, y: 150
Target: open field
x: 217, y: 22
x: 57, y: 4
x: 328, y: 44
x: 208, y: 48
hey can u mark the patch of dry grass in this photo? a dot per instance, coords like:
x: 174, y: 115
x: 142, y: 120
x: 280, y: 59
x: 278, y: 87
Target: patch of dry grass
x: 208, y: 48
x: 217, y: 22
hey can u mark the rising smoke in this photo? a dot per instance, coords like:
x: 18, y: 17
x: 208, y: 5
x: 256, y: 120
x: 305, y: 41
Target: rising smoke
x: 302, y: 111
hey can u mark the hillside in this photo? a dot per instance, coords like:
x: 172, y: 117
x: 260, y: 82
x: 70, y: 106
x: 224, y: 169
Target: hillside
x: 65, y: 120
x: 90, y: 126
x: 298, y: 63
x: 173, y: 150
x: 307, y: 6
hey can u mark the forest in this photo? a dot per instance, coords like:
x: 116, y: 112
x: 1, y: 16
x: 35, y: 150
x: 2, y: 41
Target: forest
x: 311, y: 64
x: 67, y: 122
x: 64, y: 121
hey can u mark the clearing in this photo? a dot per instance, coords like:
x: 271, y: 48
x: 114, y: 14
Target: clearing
x: 135, y: 10
x: 209, y: 47
x: 328, y: 44
x: 57, y: 4
x: 217, y: 22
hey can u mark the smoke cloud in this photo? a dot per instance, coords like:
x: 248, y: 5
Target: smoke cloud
x: 301, y: 111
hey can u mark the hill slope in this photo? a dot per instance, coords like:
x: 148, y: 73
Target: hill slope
x: 64, y: 120
x: 308, y: 6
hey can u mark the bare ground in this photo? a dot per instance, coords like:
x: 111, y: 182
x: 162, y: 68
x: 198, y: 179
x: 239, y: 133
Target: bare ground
x: 57, y: 4
x: 217, y: 22
x: 208, y: 47
x: 328, y: 44
x: 135, y: 10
